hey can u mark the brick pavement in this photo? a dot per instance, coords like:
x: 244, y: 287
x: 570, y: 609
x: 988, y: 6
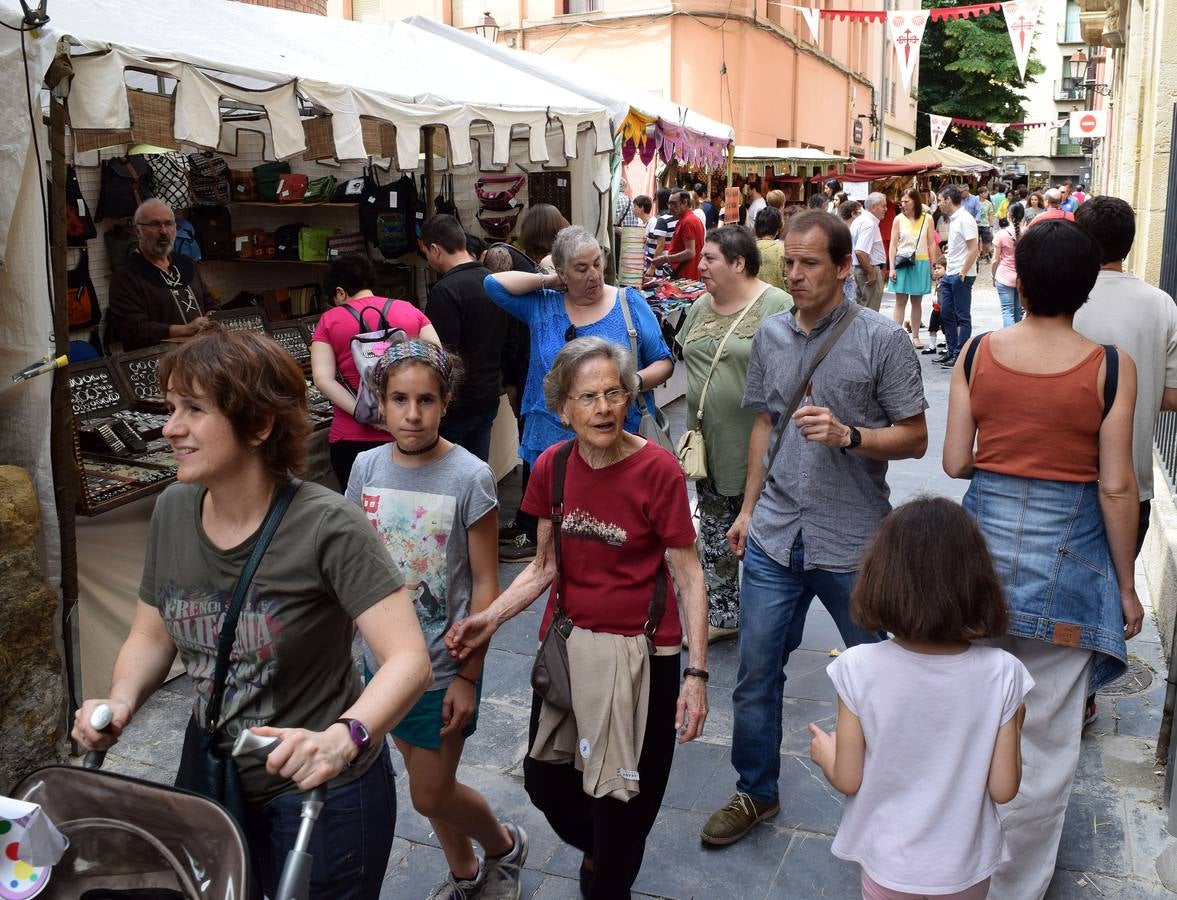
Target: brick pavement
x: 1115, y: 822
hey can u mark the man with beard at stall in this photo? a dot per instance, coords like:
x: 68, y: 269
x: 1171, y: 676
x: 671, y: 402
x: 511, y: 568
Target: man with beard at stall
x: 156, y: 294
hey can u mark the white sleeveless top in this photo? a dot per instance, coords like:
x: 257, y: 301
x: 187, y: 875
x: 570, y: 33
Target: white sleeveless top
x: 910, y: 236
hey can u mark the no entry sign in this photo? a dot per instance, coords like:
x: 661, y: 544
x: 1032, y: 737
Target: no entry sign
x: 1089, y: 123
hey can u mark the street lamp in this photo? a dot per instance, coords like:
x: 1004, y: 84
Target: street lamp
x: 1083, y: 71
x: 488, y: 28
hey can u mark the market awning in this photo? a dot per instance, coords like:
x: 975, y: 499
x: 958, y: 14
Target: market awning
x: 873, y: 170
x: 679, y: 132
x: 952, y: 161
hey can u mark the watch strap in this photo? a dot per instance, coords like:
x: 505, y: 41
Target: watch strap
x: 697, y: 673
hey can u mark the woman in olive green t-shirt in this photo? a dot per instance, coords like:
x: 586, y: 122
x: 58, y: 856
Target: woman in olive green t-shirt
x: 729, y: 266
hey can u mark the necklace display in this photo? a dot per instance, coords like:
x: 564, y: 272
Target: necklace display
x: 422, y: 451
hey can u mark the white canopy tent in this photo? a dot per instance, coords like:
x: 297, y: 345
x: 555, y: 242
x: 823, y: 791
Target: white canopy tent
x: 281, y: 62
x: 617, y: 96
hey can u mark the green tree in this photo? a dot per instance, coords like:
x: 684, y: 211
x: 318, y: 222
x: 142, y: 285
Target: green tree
x: 968, y: 69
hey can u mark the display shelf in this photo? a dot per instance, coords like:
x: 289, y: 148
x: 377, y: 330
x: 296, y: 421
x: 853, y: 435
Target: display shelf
x: 297, y: 205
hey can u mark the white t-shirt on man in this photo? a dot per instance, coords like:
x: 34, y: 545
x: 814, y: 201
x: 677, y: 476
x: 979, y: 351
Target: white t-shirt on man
x: 1141, y: 320
x: 922, y: 821
x: 867, y: 237
x: 962, y: 228
x: 754, y: 210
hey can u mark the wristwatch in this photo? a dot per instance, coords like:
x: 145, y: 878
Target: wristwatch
x: 855, y: 439
x: 357, y: 731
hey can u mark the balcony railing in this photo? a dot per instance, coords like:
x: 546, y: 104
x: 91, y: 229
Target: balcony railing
x: 1068, y: 148
x: 1069, y: 89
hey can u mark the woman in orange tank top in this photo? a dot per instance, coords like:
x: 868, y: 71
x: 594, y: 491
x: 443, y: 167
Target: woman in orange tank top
x: 1041, y: 422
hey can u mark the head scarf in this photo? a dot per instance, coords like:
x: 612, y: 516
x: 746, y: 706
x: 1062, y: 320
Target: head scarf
x: 424, y: 352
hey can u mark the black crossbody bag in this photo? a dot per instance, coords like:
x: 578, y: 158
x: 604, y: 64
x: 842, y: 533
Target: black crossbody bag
x: 205, y: 769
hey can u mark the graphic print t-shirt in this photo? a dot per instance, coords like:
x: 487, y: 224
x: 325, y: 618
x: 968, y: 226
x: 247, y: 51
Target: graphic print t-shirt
x: 291, y: 662
x: 422, y: 516
x: 618, y: 522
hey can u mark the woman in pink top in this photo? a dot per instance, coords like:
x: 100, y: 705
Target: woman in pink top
x: 349, y: 283
x: 1005, y: 273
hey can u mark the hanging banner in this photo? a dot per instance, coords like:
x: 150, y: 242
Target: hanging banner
x: 858, y: 15
x: 944, y: 13
x: 939, y: 126
x: 1021, y: 20
x: 907, y: 34
x: 812, y: 19
x: 1089, y: 123
x: 998, y: 128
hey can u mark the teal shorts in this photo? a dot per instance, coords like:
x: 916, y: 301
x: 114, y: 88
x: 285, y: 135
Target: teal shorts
x: 422, y: 724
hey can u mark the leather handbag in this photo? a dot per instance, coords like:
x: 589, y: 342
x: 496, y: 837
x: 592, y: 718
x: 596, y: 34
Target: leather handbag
x: 243, y: 186
x: 499, y: 226
x: 497, y: 191
x: 126, y: 182
x: 692, y: 451
x: 652, y: 426
x: 205, y: 768
x: 903, y: 260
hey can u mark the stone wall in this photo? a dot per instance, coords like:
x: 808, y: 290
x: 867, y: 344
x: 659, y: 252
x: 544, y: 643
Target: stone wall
x: 32, y: 690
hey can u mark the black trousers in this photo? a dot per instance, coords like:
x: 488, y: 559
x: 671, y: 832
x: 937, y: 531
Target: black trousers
x: 343, y: 456
x: 608, y: 831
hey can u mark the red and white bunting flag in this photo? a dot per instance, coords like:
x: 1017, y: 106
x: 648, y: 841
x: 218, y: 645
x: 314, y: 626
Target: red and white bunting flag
x: 907, y: 34
x: 998, y: 128
x: 1021, y: 20
x: 939, y: 126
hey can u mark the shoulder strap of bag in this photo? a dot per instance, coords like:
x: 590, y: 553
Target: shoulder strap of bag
x: 971, y: 354
x: 715, y: 360
x: 1111, y: 379
x: 359, y: 316
x: 795, y: 400
x: 559, y: 468
x: 622, y: 293
x: 229, y: 622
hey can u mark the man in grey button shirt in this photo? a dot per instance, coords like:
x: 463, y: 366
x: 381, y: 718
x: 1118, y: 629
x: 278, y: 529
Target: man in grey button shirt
x: 801, y: 531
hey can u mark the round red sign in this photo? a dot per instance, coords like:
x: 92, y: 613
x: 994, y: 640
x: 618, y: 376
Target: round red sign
x: 1087, y: 123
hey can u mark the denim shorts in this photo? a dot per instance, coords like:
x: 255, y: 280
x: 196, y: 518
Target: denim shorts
x: 1051, y: 551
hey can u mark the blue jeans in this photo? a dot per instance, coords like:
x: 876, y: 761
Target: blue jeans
x: 351, y: 841
x: 471, y: 432
x: 1011, y: 304
x: 956, y: 311
x: 774, y: 600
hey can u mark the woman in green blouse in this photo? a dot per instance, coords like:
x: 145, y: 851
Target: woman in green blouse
x: 738, y: 300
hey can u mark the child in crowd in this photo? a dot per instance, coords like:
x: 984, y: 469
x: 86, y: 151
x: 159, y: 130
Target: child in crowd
x: 934, y: 320
x: 434, y: 506
x: 929, y: 724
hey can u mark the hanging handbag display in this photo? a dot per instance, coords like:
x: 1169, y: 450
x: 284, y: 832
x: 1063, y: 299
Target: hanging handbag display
x: 171, y: 179
x: 125, y: 183
x: 550, y: 674
x: 387, y: 214
x: 80, y: 295
x: 205, y: 768
x: 210, y: 179
x: 366, y: 349
x: 497, y: 191
x: 692, y: 452
x: 499, y: 226
x: 79, y: 226
x: 349, y: 191
x: 652, y: 426
x: 120, y: 243
x: 214, y: 231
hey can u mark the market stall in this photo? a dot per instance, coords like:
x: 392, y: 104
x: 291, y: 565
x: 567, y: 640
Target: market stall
x: 951, y: 160
x: 785, y: 168
x: 262, y: 91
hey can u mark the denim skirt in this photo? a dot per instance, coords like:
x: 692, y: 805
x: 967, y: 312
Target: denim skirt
x: 1051, y: 552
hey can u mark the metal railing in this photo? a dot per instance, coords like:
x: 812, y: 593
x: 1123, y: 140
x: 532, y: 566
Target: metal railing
x: 1067, y: 148
x: 1165, y: 439
x: 1070, y: 89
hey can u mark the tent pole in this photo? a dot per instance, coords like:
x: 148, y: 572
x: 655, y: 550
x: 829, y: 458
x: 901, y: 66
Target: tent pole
x: 430, y: 194
x: 63, y: 462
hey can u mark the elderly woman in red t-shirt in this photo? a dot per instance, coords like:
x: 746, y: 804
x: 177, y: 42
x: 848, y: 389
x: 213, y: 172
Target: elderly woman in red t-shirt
x: 625, y: 517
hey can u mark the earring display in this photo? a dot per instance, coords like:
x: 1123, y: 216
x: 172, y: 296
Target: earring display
x: 249, y: 319
x: 290, y: 339
x: 93, y: 392
x: 143, y: 377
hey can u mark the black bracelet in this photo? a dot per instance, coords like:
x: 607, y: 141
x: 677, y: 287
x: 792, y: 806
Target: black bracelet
x: 697, y: 673
x: 473, y: 681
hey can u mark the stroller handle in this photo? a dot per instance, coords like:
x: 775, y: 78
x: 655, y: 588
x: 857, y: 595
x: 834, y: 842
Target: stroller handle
x: 100, y: 720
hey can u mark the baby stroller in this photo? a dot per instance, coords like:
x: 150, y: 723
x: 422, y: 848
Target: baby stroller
x: 135, y: 840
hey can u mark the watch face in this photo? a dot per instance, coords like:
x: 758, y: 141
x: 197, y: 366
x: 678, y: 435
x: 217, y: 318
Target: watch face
x: 359, y: 734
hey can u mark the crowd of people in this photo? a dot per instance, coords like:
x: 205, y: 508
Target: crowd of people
x: 976, y: 633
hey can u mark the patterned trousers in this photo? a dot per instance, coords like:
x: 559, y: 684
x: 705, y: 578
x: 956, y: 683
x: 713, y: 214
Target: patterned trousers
x: 721, y: 570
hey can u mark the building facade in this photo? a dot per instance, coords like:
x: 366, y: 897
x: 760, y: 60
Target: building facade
x: 751, y: 63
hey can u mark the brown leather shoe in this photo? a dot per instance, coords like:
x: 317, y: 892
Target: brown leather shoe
x: 735, y: 819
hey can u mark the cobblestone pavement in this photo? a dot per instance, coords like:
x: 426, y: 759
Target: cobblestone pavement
x: 1115, y: 825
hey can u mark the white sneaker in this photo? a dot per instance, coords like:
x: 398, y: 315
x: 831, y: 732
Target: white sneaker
x: 502, y: 874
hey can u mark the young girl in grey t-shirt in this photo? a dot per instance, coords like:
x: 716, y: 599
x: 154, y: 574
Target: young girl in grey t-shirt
x: 434, y: 506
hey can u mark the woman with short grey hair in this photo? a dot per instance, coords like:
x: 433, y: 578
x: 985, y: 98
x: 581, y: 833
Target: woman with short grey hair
x: 559, y: 307
x: 627, y: 521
